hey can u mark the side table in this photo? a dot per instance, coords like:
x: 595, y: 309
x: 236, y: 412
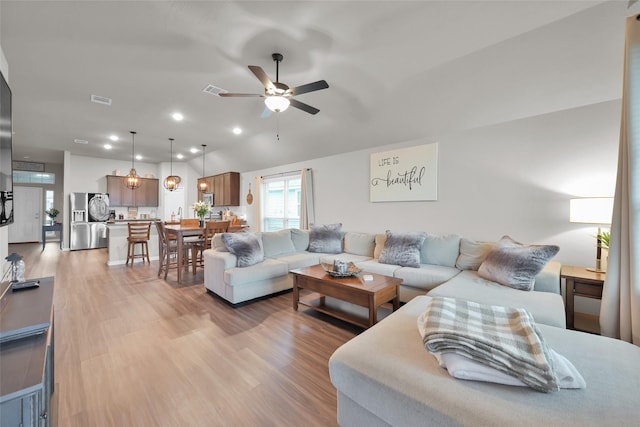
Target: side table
x: 583, y: 283
x: 51, y: 227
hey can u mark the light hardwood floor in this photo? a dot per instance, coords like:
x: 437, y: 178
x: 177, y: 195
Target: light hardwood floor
x: 134, y: 350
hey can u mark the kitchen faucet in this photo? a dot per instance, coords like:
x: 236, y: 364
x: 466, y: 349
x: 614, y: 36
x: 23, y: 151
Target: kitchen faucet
x: 180, y: 213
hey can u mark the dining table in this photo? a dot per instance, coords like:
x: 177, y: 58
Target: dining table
x: 179, y: 232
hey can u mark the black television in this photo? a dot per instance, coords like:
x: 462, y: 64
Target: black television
x: 6, y: 161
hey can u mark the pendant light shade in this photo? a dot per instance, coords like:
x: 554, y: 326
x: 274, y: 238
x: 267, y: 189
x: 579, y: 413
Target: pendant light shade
x: 202, y: 184
x: 132, y: 180
x: 172, y: 182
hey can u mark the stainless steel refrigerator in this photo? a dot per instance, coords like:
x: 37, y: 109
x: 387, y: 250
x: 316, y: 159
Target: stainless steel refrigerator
x: 89, y: 215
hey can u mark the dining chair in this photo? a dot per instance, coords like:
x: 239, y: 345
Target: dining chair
x: 211, y: 229
x: 190, y: 241
x: 139, y: 233
x: 167, y: 249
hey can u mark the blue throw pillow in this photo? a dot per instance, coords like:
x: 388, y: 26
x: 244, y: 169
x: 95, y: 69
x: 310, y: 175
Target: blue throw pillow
x: 246, y: 246
x: 326, y: 238
x: 402, y: 249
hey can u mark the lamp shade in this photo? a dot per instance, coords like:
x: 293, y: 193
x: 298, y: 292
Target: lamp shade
x: 276, y: 103
x: 591, y: 210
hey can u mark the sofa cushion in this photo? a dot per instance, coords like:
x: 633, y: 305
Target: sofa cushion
x: 277, y: 243
x: 218, y: 244
x: 472, y: 253
x: 359, y: 243
x: 246, y: 246
x: 344, y: 257
x: 300, y: 239
x: 546, y: 307
x: 426, y: 277
x: 380, y: 239
x: 402, y: 249
x: 326, y: 238
x: 299, y: 259
x: 440, y: 250
x: 374, y: 266
x: 516, y: 265
x: 267, y: 269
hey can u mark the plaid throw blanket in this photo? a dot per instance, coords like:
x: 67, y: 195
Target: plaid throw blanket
x: 503, y: 338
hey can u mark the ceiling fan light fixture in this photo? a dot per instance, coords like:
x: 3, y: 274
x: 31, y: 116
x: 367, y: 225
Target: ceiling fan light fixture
x: 277, y: 103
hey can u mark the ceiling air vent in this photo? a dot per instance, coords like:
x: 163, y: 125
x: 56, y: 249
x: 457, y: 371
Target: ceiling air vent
x: 213, y: 90
x: 81, y: 141
x: 101, y: 100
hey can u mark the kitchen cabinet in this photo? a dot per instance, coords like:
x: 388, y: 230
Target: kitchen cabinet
x: 120, y: 195
x: 225, y: 187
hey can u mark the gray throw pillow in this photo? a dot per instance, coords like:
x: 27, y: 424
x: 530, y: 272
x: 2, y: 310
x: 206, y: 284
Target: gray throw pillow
x: 402, y: 249
x: 516, y: 265
x: 247, y: 247
x: 326, y: 238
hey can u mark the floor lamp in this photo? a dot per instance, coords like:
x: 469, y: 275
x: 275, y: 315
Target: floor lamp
x: 592, y: 210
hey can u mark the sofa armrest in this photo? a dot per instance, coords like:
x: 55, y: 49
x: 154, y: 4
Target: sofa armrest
x: 219, y: 261
x: 548, y: 280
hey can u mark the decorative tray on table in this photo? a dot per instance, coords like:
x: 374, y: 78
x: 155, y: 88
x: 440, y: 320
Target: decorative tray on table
x: 335, y: 271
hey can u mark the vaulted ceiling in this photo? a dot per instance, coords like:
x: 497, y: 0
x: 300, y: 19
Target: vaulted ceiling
x: 397, y: 71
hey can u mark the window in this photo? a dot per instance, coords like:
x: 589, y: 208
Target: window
x: 23, y: 177
x: 281, y: 202
x: 48, y: 200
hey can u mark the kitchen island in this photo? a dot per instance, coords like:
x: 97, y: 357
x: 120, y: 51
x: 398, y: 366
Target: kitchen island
x: 118, y: 232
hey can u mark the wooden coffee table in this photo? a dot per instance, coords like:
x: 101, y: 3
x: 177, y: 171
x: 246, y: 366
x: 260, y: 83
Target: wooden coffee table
x: 369, y: 294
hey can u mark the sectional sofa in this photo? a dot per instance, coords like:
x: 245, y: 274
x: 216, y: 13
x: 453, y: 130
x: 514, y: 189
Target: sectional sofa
x: 447, y: 265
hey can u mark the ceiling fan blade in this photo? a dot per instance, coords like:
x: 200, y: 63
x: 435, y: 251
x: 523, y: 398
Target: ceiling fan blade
x: 240, y: 95
x: 262, y: 76
x: 309, y: 87
x: 304, y: 107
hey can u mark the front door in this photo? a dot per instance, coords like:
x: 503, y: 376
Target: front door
x: 27, y: 215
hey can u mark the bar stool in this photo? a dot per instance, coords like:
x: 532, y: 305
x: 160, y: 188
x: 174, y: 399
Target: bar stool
x: 139, y: 233
x: 211, y: 229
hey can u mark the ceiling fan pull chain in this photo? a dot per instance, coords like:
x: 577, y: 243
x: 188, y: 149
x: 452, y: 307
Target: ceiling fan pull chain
x: 278, y: 126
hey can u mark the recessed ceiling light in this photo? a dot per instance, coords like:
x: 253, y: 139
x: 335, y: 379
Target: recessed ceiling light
x: 179, y: 156
x: 194, y: 150
x: 113, y: 137
x: 138, y: 157
x: 236, y: 130
x: 107, y: 146
x: 177, y: 117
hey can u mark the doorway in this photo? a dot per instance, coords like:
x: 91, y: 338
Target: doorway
x: 27, y: 215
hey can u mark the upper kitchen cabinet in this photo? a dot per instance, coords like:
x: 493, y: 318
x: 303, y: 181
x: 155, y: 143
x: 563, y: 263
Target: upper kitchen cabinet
x: 120, y: 195
x: 225, y: 187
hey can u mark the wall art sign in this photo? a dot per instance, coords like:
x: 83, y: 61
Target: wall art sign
x: 406, y: 174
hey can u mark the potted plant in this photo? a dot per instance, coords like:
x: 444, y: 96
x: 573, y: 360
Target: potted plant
x: 52, y: 213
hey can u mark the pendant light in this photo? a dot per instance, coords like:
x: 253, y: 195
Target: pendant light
x: 132, y: 180
x: 172, y: 182
x: 202, y: 184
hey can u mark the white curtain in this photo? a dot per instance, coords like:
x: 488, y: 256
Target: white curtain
x: 620, y: 308
x: 307, y: 215
x: 258, y: 203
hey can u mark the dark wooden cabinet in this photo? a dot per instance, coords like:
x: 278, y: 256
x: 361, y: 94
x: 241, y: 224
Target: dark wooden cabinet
x: 225, y: 187
x: 119, y: 195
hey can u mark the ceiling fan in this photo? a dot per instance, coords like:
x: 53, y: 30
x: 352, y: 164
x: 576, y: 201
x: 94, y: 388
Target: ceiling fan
x: 277, y: 95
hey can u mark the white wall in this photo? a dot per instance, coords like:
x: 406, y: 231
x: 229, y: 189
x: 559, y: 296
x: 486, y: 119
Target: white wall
x: 514, y: 178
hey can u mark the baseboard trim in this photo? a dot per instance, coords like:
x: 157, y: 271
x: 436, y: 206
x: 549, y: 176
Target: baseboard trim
x: 251, y: 301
